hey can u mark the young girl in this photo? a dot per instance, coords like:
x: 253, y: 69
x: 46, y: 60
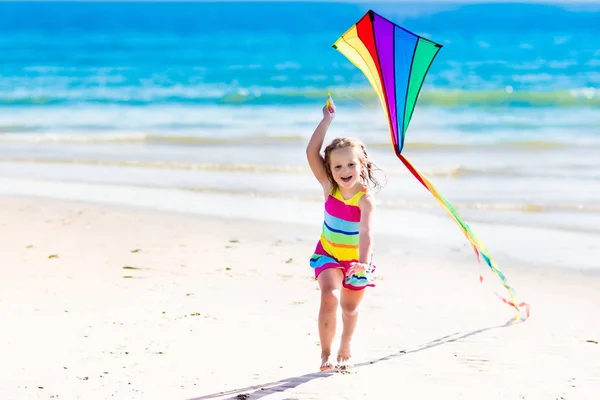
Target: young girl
x: 342, y: 258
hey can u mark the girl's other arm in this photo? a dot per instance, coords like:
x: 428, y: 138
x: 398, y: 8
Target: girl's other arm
x: 365, y: 230
x: 313, y: 149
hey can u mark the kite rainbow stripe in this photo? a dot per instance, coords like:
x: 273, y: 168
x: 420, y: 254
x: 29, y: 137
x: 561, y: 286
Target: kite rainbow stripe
x: 396, y: 61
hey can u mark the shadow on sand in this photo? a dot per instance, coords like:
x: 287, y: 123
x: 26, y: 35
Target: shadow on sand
x: 265, y: 389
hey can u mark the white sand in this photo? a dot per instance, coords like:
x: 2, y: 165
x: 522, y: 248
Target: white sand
x: 222, y: 308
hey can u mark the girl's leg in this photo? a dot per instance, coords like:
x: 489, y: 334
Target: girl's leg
x: 350, y: 299
x: 330, y: 280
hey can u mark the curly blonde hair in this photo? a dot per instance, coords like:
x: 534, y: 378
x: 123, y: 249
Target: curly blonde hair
x: 366, y: 173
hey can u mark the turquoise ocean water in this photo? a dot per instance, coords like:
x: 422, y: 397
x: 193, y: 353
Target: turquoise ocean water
x: 222, y: 97
x: 508, y: 71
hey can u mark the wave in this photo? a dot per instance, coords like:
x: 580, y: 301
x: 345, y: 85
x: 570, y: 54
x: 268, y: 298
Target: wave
x: 432, y: 97
x: 174, y: 165
x: 107, y: 138
x: 364, y: 97
x: 14, y: 128
x: 219, y: 167
x: 11, y: 134
x: 452, y: 172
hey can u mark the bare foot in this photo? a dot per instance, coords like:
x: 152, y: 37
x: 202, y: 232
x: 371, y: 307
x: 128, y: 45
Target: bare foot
x: 326, y: 365
x: 344, y: 354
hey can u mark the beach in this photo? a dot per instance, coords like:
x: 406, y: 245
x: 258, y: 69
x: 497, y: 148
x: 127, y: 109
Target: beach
x: 106, y: 301
x: 157, y: 212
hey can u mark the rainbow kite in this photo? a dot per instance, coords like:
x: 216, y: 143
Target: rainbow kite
x: 396, y: 61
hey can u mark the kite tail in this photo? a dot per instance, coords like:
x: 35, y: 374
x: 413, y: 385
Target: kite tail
x: 478, y: 246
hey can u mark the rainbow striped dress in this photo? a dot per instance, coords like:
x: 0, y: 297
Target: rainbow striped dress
x: 338, y: 245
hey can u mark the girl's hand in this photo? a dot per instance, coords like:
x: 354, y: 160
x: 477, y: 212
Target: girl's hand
x: 356, y: 268
x: 329, y: 109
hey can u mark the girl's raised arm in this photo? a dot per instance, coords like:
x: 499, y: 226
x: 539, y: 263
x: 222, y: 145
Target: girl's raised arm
x: 313, y: 149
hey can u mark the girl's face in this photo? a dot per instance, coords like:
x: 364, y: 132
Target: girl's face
x: 345, y: 167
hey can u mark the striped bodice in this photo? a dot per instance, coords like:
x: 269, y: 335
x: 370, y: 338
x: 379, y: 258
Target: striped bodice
x: 341, y: 225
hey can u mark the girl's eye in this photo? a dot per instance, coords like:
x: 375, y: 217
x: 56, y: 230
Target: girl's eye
x: 351, y: 165
x: 338, y: 167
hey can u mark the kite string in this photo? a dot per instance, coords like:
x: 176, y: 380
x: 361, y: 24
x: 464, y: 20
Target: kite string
x: 478, y: 246
x: 351, y: 98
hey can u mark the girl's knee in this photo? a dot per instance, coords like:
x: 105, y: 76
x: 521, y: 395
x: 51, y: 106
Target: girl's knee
x: 350, y: 301
x: 329, y: 300
x: 349, y: 309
